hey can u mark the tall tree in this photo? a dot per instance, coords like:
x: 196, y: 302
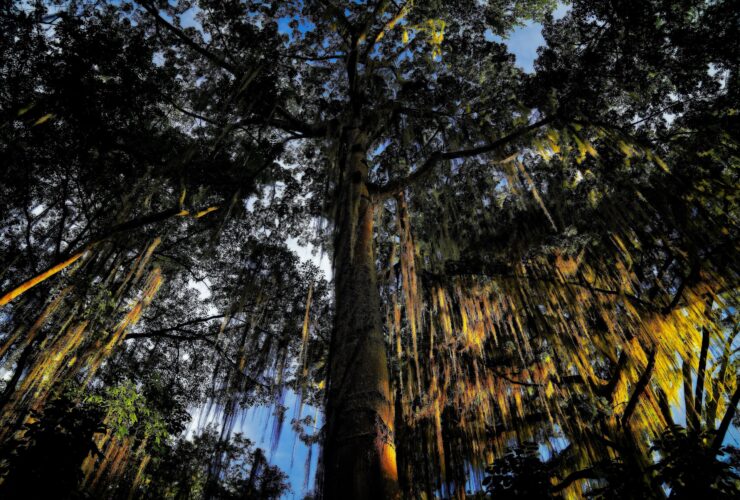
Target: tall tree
x: 514, y: 256
x: 360, y: 80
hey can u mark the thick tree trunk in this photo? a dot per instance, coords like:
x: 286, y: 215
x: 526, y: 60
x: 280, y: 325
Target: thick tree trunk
x: 359, y: 453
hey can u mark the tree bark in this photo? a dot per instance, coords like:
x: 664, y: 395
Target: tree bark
x: 692, y: 419
x: 359, y: 453
x: 701, y: 369
x: 727, y: 419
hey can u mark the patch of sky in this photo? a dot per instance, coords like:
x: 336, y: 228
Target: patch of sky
x: 284, y: 25
x: 524, y: 40
x: 308, y: 253
x: 258, y: 425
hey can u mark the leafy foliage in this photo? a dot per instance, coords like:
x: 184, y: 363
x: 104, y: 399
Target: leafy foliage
x: 692, y: 469
x: 182, y: 470
x: 520, y: 473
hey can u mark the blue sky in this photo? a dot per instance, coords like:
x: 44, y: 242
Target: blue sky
x: 290, y: 454
x: 524, y: 42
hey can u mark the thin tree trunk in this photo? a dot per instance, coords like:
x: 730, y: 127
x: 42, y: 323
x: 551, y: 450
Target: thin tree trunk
x: 692, y: 419
x: 719, y: 380
x: 727, y: 419
x: 21, y: 364
x: 701, y: 369
x: 640, y: 387
x: 359, y: 453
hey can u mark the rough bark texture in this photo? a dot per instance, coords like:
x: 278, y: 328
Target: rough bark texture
x: 359, y: 453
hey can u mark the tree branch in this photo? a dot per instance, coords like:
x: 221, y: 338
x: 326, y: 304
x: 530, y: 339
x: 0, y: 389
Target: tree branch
x: 338, y: 14
x: 720, y: 377
x: 692, y: 276
x: 608, y: 389
x: 327, y: 57
x: 161, y: 331
x: 640, y: 387
x: 180, y: 34
x: 478, y: 267
x: 727, y: 419
x: 163, y: 334
x: 701, y: 369
x: 376, y: 37
x: 692, y: 418
x: 394, y: 186
x: 588, y: 473
x: 71, y: 256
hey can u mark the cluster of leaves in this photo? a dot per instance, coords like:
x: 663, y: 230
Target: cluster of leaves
x: 686, y: 467
x: 691, y: 468
x: 520, y: 473
x: 125, y: 408
x: 182, y: 470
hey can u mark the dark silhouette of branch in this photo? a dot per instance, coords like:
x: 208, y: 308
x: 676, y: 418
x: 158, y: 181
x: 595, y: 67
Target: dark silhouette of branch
x: 290, y: 124
x: 180, y: 34
x: 162, y: 331
x: 394, y: 186
x: 640, y: 387
x: 727, y: 419
x: 723, y: 366
x: 588, y: 473
x: 375, y: 37
x: 608, y: 389
x: 692, y: 418
x: 665, y: 407
x: 514, y: 381
x: 327, y: 57
x: 701, y: 369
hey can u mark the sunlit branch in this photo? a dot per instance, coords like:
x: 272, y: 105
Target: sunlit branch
x: 73, y: 256
x: 27, y: 285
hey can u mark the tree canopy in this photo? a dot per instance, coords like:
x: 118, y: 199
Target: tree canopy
x: 533, y: 286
